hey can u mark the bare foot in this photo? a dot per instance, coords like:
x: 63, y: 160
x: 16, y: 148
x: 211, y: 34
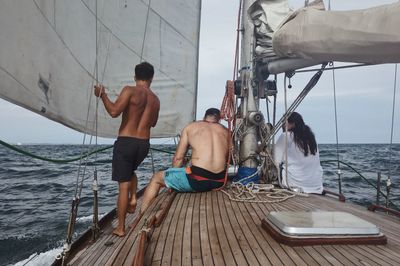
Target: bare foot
x: 132, y: 206
x: 119, y: 232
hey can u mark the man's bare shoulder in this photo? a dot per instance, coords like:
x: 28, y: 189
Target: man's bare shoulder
x: 153, y: 95
x: 195, y: 124
x: 190, y: 127
x: 203, y: 124
x: 128, y: 90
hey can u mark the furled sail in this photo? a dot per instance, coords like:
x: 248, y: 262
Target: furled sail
x: 313, y: 35
x: 49, y: 61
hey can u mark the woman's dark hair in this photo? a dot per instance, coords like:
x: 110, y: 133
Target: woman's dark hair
x: 303, y: 135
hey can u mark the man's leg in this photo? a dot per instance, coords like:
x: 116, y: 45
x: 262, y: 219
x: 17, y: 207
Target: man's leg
x: 132, y: 197
x: 122, y: 204
x: 156, y: 182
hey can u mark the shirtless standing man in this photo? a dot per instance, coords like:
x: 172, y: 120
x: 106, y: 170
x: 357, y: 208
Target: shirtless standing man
x: 210, y: 143
x: 139, y: 107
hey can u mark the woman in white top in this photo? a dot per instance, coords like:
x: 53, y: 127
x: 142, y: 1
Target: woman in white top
x: 303, y: 165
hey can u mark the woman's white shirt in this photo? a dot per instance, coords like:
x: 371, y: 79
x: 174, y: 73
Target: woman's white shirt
x: 302, y: 171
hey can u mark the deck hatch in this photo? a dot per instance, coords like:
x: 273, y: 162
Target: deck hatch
x: 321, y: 223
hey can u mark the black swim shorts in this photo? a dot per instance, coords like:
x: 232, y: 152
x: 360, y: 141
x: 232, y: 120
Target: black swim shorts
x: 128, y: 154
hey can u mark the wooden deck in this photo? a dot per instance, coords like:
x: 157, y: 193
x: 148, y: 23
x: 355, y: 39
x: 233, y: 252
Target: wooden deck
x: 209, y: 229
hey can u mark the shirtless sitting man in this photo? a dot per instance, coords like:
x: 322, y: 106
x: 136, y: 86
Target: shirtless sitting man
x: 209, y: 141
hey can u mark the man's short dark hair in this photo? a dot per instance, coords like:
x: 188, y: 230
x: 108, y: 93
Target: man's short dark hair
x: 213, y: 112
x: 144, y: 71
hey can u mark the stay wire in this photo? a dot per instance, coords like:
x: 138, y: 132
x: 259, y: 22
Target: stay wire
x: 94, y: 128
x: 336, y: 129
x: 393, y: 114
x: 97, y: 83
x: 236, y: 61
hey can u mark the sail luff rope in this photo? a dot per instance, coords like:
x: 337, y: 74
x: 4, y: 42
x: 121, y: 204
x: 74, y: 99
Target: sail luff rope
x: 336, y: 130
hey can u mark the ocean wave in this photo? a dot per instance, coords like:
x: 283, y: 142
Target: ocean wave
x: 84, y: 219
x: 45, y: 258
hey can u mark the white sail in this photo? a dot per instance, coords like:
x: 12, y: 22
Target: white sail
x: 48, y: 57
x: 313, y: 35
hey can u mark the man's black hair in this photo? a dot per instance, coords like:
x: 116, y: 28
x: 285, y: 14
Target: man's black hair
x: 144, y: 71
x: 213, y: 112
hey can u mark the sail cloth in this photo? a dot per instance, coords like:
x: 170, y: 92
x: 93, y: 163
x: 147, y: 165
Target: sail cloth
x: 48, y: 57
x: 313, y: 35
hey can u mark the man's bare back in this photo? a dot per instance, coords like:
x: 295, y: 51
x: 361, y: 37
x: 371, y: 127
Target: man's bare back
x: 139, y: 107
x: 209, y: 142
x: 140, y: 114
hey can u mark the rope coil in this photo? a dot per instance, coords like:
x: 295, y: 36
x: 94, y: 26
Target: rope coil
x: 266, y: 193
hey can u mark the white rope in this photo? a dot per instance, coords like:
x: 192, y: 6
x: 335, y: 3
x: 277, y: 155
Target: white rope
x: 146, y: 230
x: 266, y: 193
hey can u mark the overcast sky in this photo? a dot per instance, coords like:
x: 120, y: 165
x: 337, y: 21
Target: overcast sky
x: 364, y: 95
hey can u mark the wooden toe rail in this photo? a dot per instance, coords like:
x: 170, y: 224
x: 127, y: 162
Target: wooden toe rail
x: 375, y: 207
x: 341, y: 197
x: 154, y: 221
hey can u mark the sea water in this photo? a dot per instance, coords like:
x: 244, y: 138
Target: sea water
x: 35, y: 195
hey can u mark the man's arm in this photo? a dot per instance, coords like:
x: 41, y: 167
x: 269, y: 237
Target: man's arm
x: 114, y: 109
x: 156, y: 116
x: 181, y: 149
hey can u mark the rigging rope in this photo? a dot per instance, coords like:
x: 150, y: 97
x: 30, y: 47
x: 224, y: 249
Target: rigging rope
x: 24, y: 152
x: 228, y: 113
x: 81, y: 173
x: 228, y: 106
x: 63, y: 161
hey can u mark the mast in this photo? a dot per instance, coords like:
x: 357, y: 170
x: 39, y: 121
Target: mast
x: 249, y: 104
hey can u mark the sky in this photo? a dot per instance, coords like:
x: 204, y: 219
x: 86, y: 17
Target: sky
x: 364, y: 95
